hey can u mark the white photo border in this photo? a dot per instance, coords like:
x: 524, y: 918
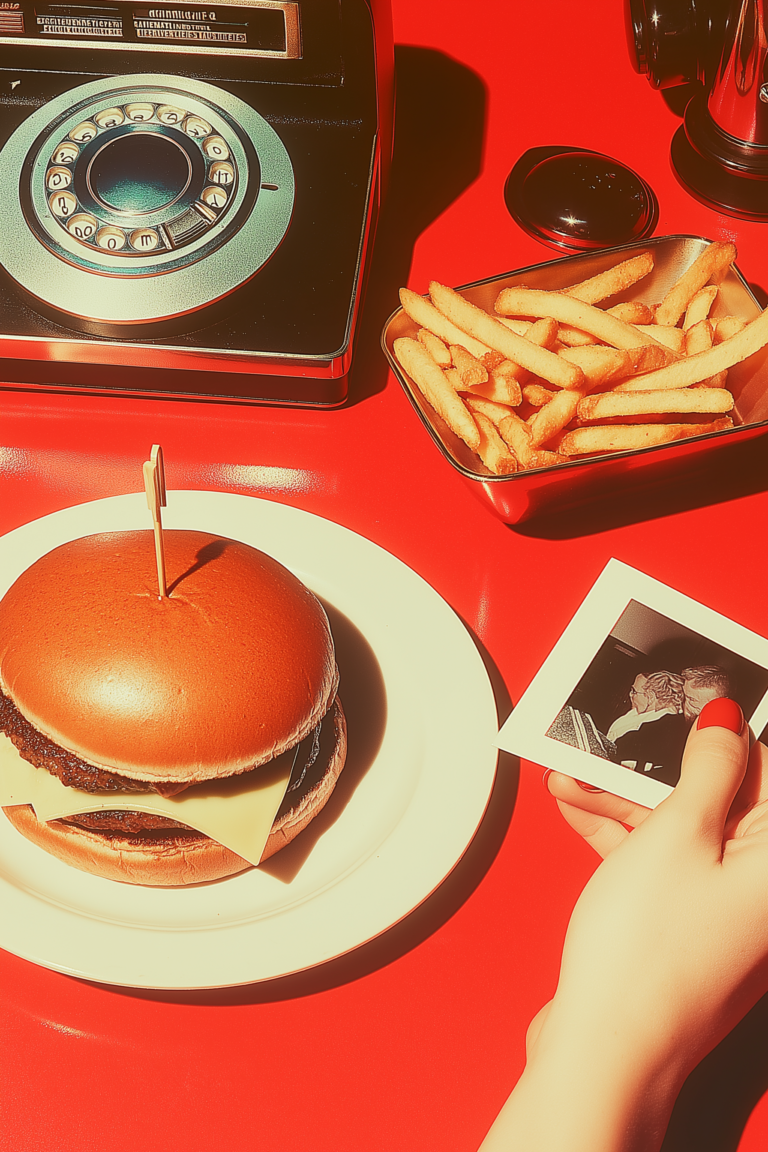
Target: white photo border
x: 524, y: 733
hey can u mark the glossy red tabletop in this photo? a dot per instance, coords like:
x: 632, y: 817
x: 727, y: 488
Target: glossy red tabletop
x: 413, y: 1041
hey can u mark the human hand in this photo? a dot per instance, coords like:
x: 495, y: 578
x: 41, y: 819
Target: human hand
x: 693, y: 882
x: 666, y: 950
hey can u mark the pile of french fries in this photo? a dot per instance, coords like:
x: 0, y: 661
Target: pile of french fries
x: 552, y: 377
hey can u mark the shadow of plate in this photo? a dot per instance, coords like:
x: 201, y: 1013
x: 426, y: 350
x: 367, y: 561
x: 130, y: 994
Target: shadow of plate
x: 367, y: 707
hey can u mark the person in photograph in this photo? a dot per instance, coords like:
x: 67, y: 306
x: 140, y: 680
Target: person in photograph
x: 702, y: 684
x: 650, y: 737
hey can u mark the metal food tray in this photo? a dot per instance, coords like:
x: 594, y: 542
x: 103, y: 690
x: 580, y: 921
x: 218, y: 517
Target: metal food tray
x: 563, y: 486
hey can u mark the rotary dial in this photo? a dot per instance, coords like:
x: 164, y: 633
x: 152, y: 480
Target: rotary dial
x: 139, y: 178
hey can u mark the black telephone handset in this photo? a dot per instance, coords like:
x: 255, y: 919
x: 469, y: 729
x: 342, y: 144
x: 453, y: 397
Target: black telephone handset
x: 720, y: 47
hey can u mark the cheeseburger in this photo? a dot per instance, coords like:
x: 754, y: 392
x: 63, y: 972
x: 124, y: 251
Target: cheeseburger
x: 117, y: 691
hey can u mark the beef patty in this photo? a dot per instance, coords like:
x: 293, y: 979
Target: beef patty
x: 309, y: 759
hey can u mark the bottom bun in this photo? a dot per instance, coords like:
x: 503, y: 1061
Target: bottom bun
x: 176, y: 861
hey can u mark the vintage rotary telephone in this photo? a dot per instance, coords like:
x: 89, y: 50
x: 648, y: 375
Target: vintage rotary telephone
x: 188, y: 192
x: 721, y: 151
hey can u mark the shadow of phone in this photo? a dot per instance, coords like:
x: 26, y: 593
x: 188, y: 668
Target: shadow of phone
x: 439, y: 132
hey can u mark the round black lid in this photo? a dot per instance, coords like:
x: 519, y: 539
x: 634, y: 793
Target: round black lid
x: 577, y: 199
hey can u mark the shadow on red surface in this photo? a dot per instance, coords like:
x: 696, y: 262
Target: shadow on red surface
x: 438, y: 908
x: 734, y: 471
x: 439, y: 133
x: 718, y: 1097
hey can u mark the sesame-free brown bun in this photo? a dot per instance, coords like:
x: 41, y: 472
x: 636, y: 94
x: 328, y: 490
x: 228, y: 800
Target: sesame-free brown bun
x: 233, y: 667
x: 179, y: 861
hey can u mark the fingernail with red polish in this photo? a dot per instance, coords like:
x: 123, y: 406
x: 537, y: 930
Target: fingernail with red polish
x: 721, y: 713
x: 546, y: 776
x: 588, y: 787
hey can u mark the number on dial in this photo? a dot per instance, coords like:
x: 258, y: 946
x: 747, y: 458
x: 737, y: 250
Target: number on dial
x: 63, y: 204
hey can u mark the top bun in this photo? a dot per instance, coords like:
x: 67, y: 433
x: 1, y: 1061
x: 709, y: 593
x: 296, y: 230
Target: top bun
x: 233, y: 667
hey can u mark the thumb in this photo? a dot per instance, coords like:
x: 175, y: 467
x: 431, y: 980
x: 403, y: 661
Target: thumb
x: 714, y: 763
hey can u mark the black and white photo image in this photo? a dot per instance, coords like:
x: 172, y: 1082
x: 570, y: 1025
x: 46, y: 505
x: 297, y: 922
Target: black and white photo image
x: 643, y: 691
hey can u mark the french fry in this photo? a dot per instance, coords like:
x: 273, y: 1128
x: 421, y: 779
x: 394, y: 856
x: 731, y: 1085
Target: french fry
x: 613, y: 280
x: 599, y: 364
x: 574, y: 337
x: 492, y: 332
x: 500, y: 387
x: 518, y: 435
x: 468, y: 366
x: 434, y: 345
x: 609, y: 405
x: 492, y: 360
x: 505, y: 372
x: 541, y: 458
x: 568, y: 310
x: 431, y: 381
x: 423, y: 313
x: 553, y: 417
x: 494, y: 452
x: 700, y: 306
x: 632, y: 312
x: 672, y: 338
x: 537, y: 395
x: 693, y: 369
x: 542, y: 331
x: 495, y: 412
x: 649, y: 358
x: 713, y: 262
x: 728, y: 326
x: 629, y: 437
x: 698, y: 337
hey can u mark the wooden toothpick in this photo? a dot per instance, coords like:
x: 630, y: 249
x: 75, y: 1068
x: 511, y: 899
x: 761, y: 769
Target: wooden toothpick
x: 154, y: 486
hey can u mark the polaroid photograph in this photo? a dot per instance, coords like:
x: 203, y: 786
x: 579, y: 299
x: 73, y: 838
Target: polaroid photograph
x: 613, y: 703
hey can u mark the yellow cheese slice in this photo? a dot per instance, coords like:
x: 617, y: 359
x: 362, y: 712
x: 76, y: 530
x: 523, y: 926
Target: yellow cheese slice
x: 237, y: 812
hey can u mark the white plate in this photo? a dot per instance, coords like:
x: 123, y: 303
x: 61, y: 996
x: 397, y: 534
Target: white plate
x: 406, y: 822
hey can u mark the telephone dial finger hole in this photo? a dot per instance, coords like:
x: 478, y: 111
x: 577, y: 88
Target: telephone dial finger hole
x: 145, y: 239
x: 63, y: 204
x: 66, y: 154
x: 83, y: 132
x: 58, y: 178
x: 215, y: 148
x: 168, y: 114
x: 110, y: 238
x: 139, y: 113
x: 214, y: 197
x: 83, y: 226
x: 196, y: 127
x: 110, y: 118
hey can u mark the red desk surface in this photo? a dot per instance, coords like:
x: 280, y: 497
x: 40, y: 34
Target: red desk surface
x: 412, y: 1042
